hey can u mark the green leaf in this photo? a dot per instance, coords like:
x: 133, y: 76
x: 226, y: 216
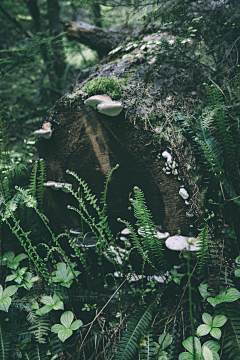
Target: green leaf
x: 10, y: 290
x: 207, y: 354
x: 212, y: 345
x: 67, y: 284
x: 10, y: 277
x: 167, y: 340
x: 203, y: 330
x: 35, y: 306
x: 56, y: 328
x: 188, y: 344
x: 1, y: 291
x: 44, y: 310
x: 203, y: 290
x: 185, y: 356
x: 219, y: 320
x: 64, y: 334
x: 229, y: 295
x: 216, y: 333
x: 76, y: 325
x: 207, y: 319
x: 20, y: 257
x: 66, y: 319
x: 237, y: 272
x: 8, y: 257
x: 58, y: 306
x: 5, y: 302
x: 47, y: 300
x: 163, y: 356
x: 55, y: 298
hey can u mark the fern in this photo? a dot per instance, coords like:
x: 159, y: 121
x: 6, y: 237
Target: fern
x: 39, y: 326
x: 33, y: 180
x: 41, y: 179
x: 136, y: 328
x: 203, y: 239
x: 147, y: 351
x: 35, y: 354
x: 231, y: 345
x: 5, y: 338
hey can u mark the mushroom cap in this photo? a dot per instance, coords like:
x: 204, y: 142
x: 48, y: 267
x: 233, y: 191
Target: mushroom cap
x: 47, y: 126
x: 110, y: 108
x: 49, y: 183
x: 97, y: 99
x: 180, y: 243
x: 76, y: 231
x: 125, y: 231
x: 159, y: 235
x: 183, y: 193
x: 46, y: 134
x: 162, y: 235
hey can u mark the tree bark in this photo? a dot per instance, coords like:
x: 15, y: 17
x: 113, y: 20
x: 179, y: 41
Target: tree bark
x: 96, y: 38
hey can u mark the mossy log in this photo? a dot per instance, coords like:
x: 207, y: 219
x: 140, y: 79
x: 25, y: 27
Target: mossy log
x: 91, y: 144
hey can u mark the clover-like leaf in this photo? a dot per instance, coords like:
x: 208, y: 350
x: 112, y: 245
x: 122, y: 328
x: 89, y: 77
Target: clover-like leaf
x: 67, y: 319
x: 185, y: 356
x: 57, y: 327
x: 237, y: 272
x: 203, y: 290
x: 47, y: 300
x: 66, y: 329
x: 203, y: 330
x: 207, y: 319
x: 229, y: 295
x: 216, y: 333
x: 10, y: 290
x: 207, y: 353
x: 64, y: 334
x: 188, y: 344
x: 76, y: 324
x: 50, y: 304
x: 219, y: 320
x: 212, y: 345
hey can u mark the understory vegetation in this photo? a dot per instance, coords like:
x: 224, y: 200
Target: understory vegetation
x: 62, y: 299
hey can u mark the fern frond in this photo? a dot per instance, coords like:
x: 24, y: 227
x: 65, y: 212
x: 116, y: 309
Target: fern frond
x: 137, y: 326
x: 35, y: 354
x: 5, y: 338
x: 40, y: 186
x: 203, y: 239
x: 151, y: 243
x: 33, y: 180
x: 231, y: 345
x: 39, y: 327
x: 148, y: 347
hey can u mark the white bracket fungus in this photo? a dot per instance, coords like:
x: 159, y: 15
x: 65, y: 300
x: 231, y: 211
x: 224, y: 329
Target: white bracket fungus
x: 180, y: 243
x: 65, y: 187
x: 167, y: 156
x: 96, y: 100
x: 114, y: 254
x: 46, y: 131
x: 105, y: 105
x: 110, y: 108
x: 183, y: 193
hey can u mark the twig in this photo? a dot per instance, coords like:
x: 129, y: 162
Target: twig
x: 100, y: 313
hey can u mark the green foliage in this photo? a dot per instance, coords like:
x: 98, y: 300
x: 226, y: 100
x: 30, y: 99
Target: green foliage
x: 150, y: 246
x: 136, y: 328
x: 64, y: 274
x: 65, y: 330
x: 211, y: 325
x: 5, y: 338
x: 11, y: 260
x: 104, y: 85
x: 231, y: 345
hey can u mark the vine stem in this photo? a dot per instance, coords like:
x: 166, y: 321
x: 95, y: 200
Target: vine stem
x: 174, y: 315
x: 91, y: 324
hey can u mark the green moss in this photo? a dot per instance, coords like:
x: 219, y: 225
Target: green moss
x: 104, y: 85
